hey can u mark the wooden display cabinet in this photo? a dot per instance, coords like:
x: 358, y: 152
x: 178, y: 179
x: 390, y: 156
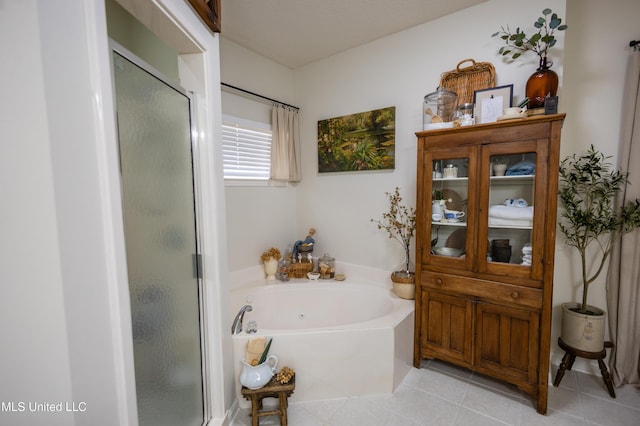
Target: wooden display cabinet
x: 210, y: 13
x: 484, y: 281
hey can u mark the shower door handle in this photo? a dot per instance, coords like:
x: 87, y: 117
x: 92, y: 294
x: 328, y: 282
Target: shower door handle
x: 197, y: 266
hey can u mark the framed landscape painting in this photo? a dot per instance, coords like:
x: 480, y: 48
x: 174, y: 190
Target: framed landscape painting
x: 358, y: 142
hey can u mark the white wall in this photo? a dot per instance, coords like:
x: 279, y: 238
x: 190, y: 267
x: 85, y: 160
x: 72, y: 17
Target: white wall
x: 59, y: 337
x: 31, y: 301
x: 276, y: 222
x: 399, y: 70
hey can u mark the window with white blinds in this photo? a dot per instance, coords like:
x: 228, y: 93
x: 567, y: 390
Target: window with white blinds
x: 246, y: 149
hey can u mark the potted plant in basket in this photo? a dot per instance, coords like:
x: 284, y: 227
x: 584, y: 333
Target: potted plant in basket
x: 588, y: 187
x: 270, y: 260
x: 544, y: 81
x: 400, y: 224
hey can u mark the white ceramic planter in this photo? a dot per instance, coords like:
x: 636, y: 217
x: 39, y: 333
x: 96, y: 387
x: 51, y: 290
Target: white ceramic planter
x: 582, y: 331
x: 270, y: 268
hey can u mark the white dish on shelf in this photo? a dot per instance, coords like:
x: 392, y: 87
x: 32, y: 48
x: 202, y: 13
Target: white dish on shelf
x: 441, y: 125
x: 448, y: 251
x: 445, y: 222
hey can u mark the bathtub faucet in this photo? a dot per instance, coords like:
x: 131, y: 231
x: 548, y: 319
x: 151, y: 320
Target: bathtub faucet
x: 237, y: 322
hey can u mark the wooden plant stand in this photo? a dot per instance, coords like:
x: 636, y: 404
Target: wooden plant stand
x: 273, y: 389
x: 570, y: 356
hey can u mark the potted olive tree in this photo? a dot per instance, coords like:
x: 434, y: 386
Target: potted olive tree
x: 592, y: 223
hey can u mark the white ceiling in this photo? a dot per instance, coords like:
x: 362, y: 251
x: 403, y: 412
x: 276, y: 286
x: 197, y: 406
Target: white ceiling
x: 294, y: 33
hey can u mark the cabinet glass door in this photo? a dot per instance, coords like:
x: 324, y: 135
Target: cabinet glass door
x: 451, y: 207
x: 510, y: 218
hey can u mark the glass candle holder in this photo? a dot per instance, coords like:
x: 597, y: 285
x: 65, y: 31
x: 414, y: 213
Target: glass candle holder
x: 252, y: 327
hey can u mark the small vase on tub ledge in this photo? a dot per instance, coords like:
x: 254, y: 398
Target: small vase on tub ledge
x: 400, y: 224
x: 543, y: 82
x: 270, y: 260
x: 589, y: 214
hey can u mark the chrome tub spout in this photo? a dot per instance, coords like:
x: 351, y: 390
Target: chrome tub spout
x: 237, y: 322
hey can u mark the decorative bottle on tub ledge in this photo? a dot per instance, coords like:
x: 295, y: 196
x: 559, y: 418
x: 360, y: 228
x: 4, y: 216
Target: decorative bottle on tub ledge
x: 303, y: 247
x: 327, y: 267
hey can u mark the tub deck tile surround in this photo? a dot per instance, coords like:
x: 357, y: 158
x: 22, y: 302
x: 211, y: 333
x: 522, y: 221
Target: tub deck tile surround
x: 254, y: 275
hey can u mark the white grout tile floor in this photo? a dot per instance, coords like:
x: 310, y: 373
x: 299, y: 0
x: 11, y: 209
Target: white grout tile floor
x: 443, y: 394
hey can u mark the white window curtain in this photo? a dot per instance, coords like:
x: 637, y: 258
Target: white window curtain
x: 285, y: 144
x: 623, y: 281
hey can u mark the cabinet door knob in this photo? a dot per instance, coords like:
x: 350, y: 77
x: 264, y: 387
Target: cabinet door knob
x: 515, y: 295
x: 439, y: 281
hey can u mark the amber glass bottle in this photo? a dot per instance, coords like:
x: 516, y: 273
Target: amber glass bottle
x: 542, y: 83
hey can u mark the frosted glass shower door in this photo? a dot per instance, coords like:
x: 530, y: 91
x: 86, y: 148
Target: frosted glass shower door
x: 160, y: 234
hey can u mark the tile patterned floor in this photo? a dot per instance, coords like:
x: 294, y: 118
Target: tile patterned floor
x: 442, y: 394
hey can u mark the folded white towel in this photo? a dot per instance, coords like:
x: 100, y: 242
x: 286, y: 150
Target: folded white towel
x: 496, y: 221
x: 517, y: 213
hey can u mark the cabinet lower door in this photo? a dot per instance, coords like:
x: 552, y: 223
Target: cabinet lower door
x: 507, y: 343
x: 447, y: 327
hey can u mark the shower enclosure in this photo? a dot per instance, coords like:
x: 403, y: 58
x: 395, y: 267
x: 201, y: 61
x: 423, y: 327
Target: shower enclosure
x: 161, y: 235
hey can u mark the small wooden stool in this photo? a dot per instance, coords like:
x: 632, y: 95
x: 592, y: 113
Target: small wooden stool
x: 273, y: 389
x: 570, y: 356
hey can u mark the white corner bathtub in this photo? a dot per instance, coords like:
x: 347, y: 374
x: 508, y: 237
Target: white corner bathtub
x: 341, y: 338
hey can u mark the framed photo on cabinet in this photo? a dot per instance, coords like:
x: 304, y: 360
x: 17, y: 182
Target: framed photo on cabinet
x: 491, y: 103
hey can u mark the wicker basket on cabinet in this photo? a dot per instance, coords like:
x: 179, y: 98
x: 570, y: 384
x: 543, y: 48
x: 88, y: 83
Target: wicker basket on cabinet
x: 465, y: 80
